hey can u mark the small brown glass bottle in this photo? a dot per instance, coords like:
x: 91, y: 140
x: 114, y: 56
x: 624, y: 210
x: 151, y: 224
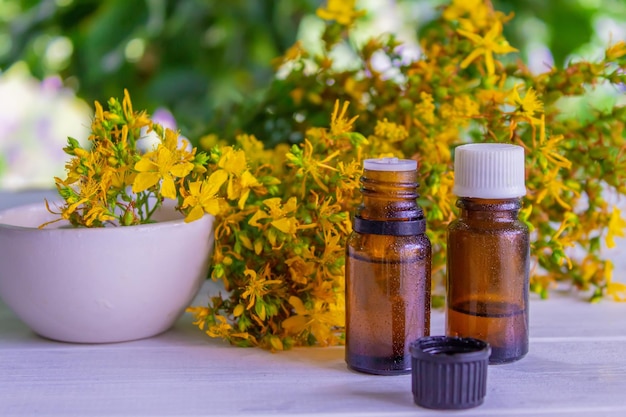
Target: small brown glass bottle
x: 387, y: 270
x: 489, y: 251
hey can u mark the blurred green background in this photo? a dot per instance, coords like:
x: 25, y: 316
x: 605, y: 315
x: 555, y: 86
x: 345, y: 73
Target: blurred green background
x: 207, y: 60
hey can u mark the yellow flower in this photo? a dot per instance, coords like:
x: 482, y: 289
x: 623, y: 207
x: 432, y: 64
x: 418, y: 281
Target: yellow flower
x: 121, y: 177
x: 319, y: 321
x: 562, y: 241
x: 159, y: 165
x: 616, y: 51
x: 391, y: 131
x: 494, y: 93
x: 570, y: 220
x: 348, y: 185
x: 554, y: 187
x: 340, y: 10
x: 240, y: 179
x: 492, y: 43
x: 330, y: 292
x: 424, y: 111
x: 202, y: 196
x: 300, y: 269
x: 200, y: 315
x: 326, y: 212
x: 333, y: 250
x: 98, y: 213
x: 615, y: 228
x: 89, y: 190
x: 310, y: 166
x: 355, y: 88
x: 281, y: 216
x: 441, y: 193
x: 257, y: 286
x: 462, y: 109
x: 439, y: 149
x: 617, y: 290
x: 135, y: 120
x: 526, y: 107
x: 88, y: 197
x: 221, y: 328
x: 339, y: 122
x: 472, y: 14
x: 549, y: 148
x: 253, y: 148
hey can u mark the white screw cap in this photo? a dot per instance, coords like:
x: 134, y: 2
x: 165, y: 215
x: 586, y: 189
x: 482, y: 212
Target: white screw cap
x: 489, y: 170
x: 390, y: 164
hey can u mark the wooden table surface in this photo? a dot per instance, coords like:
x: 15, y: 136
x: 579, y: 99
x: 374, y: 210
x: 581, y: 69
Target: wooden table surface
x: 576, y: 367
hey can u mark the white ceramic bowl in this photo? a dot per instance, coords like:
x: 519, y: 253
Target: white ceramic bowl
x: 101, y: 285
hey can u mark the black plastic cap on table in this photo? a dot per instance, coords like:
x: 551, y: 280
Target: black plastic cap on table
x: 449, y: 372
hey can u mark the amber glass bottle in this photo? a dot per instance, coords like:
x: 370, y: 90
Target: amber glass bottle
x: 489, y: 250
x: 387, y: 270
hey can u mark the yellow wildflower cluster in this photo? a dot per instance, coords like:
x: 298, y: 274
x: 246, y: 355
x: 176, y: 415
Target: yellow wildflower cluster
x: 112, y: 182
x: 280, y: 237
x: 283, y: 213
x: 467, y: 86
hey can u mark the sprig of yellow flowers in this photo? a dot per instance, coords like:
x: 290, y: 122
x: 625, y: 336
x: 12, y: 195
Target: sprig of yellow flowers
x: 283, y: 214
x: 467, y: 87
x: 462, y: 89
x: 112, y: 182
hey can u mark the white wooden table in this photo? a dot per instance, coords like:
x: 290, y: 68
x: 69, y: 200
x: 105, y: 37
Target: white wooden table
x: 576, y: 367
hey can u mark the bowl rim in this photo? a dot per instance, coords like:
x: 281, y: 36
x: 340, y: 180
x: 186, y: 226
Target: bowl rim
x: 40, y: 207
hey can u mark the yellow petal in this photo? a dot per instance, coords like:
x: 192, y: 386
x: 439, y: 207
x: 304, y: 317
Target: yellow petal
x: 494, y: 31
x: 168, y: 189
x: 218, y: 178
x: 295, y: 324
x: 491, y: 68
x: 242, y: 199
x: 254, y: 221
x: 285, y: 225
x: 212, y: 206
x: 145, y: 180
x: 610, y: 242
x: 321, y: 332
x: 232, y: 191
x: 472, y: 36
x: 145, y: 164
x: 181, y: 169
x: 194, y: 188
x: 272, y: 203
x: 248, y: 180
x: 504, y: 48
x: 617, y: 290
x: 164, y: 157
x: 195, y: 214
x: 471, y: 57
x: 297, y: 305
x: 171, y: 139
x: 291, y: 205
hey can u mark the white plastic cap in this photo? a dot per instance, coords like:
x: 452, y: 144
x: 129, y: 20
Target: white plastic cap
x: 390, y: 164
x: 489, y: 170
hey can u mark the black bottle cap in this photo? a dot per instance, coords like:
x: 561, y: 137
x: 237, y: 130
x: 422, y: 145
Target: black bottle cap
x: 449, y: 372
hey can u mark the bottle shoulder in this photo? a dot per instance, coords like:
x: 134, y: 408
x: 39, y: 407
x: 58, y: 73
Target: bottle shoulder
x: 385, y: 243
x: 476, y: 225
